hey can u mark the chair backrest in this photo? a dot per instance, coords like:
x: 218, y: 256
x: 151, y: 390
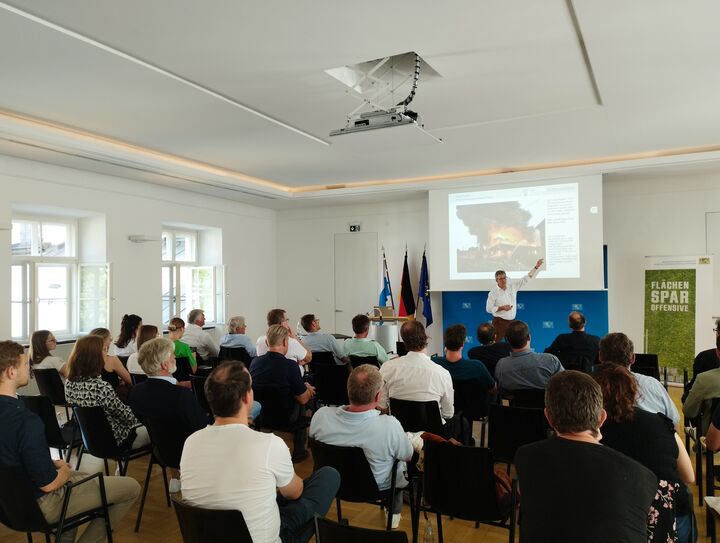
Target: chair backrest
x: 646, y: 370
x: 576, y: 361
x: 235, y: 353
x: 527, y: 397
x: 138, y: 378
x: 460, y: 481
x: 19, y: 509
x: 323, y: 357
x: 183, y: 370
x: 400, y: 348
x: 110, y: 377
x: 512, y: 427
x: 471, y: 397
x: 199, y: 525
x: 167, y: 438
x: 280, y: 410
x: 43, y: 408
x: 417, y: 416
x: 97, y: 435
x: 197, y: 383
x: 644, y: 360
x: 50, y: 384
x: 329, y: 531
x: 356, y: 361
x: 357, y: 483
x: 331, y: 384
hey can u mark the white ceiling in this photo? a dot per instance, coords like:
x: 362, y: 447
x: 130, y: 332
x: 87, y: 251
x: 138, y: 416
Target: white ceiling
x: 515, y: 86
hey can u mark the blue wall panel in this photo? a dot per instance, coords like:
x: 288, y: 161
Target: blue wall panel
x: 545, y: 312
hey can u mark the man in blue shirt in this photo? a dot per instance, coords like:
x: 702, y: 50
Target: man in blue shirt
x: 22, y: 443
x: 321, y: 343
x: 462, y: 369
x: 524, y: 368
x: 360, y: 424
x: 236, y: 336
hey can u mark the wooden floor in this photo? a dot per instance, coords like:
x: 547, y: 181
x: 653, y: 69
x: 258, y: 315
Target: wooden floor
x: 159, y: 524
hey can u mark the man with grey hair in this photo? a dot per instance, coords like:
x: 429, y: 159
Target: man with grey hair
x: 236, y: 336
x: 360, y: 424
x: 161, y: 400
x: 196, y: 337
x: 563, y: 474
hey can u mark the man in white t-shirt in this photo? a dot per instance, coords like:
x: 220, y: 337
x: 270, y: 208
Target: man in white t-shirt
x: 297, y: 351
x: 256, y: 475
x: 196, y: 337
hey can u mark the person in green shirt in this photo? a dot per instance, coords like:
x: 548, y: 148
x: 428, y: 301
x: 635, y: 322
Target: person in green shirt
x: 176, y: 329
x: 361, y: 345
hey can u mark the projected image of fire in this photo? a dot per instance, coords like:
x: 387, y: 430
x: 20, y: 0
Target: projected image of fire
x: 505, y: 239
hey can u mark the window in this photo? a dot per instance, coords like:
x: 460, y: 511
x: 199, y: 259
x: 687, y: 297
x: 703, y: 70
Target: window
x: 50, y: 290
x: 186, y: 284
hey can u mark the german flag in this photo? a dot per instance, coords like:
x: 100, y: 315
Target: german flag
x: 407, y: 300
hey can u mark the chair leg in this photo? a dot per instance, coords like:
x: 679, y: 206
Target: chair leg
x: 29, y: 537
x: 167, y: 488
x: 339, y: 510
x: 144, y: 494
x: 80, y: 455
x: 439, y: 523
x: 699, y: 469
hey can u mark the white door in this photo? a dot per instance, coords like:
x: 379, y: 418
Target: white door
x: 357, y: 277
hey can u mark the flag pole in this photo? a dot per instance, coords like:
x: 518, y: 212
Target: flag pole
x: 387, y: 276
x: 417, y: 302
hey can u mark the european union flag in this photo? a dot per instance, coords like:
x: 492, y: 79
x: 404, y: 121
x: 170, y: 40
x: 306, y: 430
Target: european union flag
x: 424, y: 292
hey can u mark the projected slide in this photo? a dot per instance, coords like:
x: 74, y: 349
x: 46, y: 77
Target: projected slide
x: 511, y: 229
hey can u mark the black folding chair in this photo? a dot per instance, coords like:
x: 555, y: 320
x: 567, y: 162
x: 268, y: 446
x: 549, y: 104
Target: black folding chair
x: 99, y: 441
x: 526, y: 397
x: 281, y: 412
x: 137, y: 378
x: 357, y: 482
x: 647, y: 364
x: 471, y: 401
x: 418, y: 416
x: 19, y: 509
x: 50, y: 384
x: 322, y: 357
x: 331, y: 383
x: 509, y: 428
x: 460, y: 482
x: 576, y: 361
x: 200, y: 525
x: 183, y: 369
x: 400, y: 348
x: 235, y: 353
x: 197, y: 382
x: 63, y: 439
x: 329, y: 531
x: 356, y: 361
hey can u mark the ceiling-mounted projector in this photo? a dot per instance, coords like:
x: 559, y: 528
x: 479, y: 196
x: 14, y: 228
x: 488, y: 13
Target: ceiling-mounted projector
x: 372, y: 120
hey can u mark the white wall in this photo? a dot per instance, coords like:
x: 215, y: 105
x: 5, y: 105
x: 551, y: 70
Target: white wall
x: 658, y: 214
x: 306, y: 255
x: 130, y: 207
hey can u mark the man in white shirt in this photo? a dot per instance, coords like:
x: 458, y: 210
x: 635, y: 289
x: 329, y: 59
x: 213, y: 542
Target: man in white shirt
x: 196, y: 337
x: 417, y: 378
x: 318, y: 342
x: 255, y: 467
x: 296, y: 350
x: 502, y: 300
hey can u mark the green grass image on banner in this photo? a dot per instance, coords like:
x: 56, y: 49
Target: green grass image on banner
x: 670, y: 316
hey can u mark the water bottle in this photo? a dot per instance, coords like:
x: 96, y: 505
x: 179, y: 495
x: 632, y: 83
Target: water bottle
x: 428, y: 535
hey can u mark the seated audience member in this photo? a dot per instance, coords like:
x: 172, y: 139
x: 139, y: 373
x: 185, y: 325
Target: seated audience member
x: 705, y: 360
x: 41, y: 343
x: 359, y: 424
x: 147, y: 332
x: 22, y: 443
x: 160, y: 399
x: 619, y: 349
x: 524, y: 368
x: 361, y: 345
x: 318, y: 342
x: 415, y: 377
x: 489, y: 352
x: 650, y: 439
x: 276, y: 504
x: 113, y: 369
x: 296, y: 351
x: 462, y: 369
x: 274, y: 370
x: 573, y: 488
x: 85, y: 388
x: 176, y: 331
x: 198, y: 338
x: 576, y: 342
x: 125, y: 344
x: 705, y: 389
x: 236, y: 336
x: 712, y: 439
